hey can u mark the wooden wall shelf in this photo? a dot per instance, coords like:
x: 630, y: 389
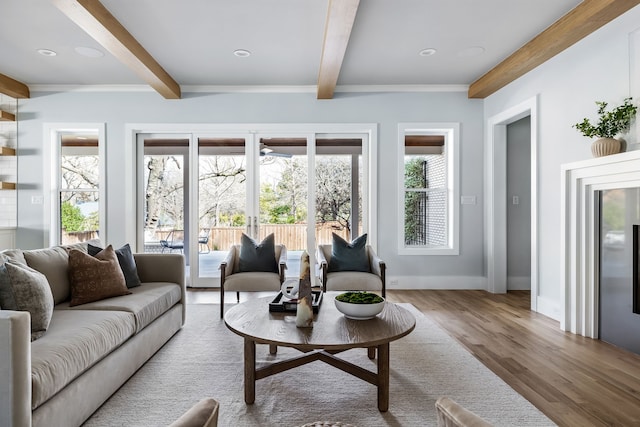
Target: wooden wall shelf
x: 7, y: 151
x: 7, y: 185
x: 6, y: 116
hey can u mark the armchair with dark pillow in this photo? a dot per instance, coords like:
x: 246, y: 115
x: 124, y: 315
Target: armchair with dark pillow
x: 351, y: 266
x: 252, y: 267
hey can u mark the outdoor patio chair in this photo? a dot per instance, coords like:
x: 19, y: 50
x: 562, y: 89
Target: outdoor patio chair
x: 174, y: 241
x: 246, y: 269
x: 203, y: 241
x: 342, y: 275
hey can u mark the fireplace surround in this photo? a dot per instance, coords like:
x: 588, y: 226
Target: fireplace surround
x: 581, y: 185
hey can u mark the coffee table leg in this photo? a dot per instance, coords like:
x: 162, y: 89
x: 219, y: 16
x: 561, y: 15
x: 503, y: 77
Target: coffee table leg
x: 249, y: 371
x: 383, y: 377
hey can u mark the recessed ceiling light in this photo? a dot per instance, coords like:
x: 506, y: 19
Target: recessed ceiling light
x: 471, y: 51
x: 427, y: 52
x: 46, y: 52
x: 89, y: 52
x: 241, y: 53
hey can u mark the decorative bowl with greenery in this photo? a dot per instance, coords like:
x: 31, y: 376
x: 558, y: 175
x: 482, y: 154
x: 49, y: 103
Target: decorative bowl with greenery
x: 359, y: 305
x: 610, y: 123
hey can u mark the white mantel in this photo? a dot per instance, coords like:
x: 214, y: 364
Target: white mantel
x: 581, y: 183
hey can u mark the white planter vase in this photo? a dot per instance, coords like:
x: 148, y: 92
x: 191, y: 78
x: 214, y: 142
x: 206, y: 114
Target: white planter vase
x: 605, y: 146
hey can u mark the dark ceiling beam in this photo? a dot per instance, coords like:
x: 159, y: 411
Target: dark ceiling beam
x: 340, y: 18
x: 578, y: 23
x: 13, y: 88
x: 99, y: 23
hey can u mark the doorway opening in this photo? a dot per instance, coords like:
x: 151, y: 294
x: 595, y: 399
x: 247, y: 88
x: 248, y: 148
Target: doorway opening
x: 496, y: 197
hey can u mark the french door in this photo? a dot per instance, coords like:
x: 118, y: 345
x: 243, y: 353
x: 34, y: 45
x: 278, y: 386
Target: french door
x: 198, y: 192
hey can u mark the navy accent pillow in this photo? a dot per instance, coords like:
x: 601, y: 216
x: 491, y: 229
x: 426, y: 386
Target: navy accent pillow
x: 349, y: 256
x: 258, y: 256
x: 126, y: 261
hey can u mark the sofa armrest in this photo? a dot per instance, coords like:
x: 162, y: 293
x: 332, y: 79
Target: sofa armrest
x: 162, y: 268
x: 282, y: 262
x: 15, y: 368
x: 321, y: 259
x: 377, y: 264
x: 226, y: 266
x: 378, y: 267
x: 452, y: 414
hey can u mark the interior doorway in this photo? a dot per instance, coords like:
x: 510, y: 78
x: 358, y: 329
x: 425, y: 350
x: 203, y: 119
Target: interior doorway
x: 519, y: 204
x: 496, y: 197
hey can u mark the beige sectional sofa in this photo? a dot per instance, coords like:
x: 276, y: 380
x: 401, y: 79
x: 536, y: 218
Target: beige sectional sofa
x: 88, y: 350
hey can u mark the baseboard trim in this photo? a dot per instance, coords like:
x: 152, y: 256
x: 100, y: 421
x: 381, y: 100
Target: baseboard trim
x: 437, y: 282
x: 519, y: 283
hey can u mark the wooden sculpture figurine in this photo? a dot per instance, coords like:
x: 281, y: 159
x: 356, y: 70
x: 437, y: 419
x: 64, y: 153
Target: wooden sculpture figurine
x: 304, y: 312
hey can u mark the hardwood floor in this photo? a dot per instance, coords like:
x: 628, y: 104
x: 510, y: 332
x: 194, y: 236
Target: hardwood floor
x: 575, y: 381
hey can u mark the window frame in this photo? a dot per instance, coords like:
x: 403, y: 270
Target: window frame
x: 53, y: 133
x: 451, y: 132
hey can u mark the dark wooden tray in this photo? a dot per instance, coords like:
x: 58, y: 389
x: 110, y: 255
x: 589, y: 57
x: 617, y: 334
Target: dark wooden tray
x: 280, y: 304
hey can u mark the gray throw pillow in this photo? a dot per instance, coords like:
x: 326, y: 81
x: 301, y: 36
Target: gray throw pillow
x: 347, y: 256
x: 258, y: 256
x: 24, y: 289
x: 126, y: 261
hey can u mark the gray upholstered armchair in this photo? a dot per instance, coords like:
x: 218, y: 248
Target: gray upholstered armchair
x: 231, y: 279
x: 374, y: 280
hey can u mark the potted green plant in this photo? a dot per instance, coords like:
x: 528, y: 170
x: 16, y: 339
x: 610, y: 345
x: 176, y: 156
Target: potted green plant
x: 609, y: 125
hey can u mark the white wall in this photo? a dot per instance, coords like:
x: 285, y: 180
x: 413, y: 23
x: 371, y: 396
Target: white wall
x: 387, y: 110
x: 595, y: 69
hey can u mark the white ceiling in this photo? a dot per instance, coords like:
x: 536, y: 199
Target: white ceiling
x: 194, y: 40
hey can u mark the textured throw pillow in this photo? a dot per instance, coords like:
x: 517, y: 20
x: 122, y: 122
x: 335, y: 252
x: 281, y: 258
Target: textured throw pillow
x: 349, y: 256
x: 258, y: 257
x: 126, y: 261
x: 94, y: 278
x: 25, y: 289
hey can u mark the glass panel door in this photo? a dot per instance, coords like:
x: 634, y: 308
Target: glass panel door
x: 222, y: 202
x: 283, y: 199
x: 165, y: 193
x: 338, y: 189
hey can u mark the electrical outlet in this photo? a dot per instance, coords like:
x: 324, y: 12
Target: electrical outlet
x: 393, y: 283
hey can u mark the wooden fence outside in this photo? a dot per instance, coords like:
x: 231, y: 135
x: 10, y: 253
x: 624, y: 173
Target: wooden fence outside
x: 293, y: 236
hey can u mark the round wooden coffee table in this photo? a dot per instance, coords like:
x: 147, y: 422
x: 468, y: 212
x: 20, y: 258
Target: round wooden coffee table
x: 331, y: 334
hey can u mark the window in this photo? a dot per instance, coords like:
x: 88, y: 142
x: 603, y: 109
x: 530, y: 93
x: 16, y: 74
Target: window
x: 428, y: 161
x: 79, y: 200
x: 76, y: 203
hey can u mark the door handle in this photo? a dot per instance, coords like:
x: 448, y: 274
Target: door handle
x: 248, y: 226
x: 255, y: 226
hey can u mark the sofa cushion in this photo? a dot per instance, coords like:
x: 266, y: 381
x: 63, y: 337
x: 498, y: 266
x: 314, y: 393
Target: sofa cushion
x: 252, y: 282
x: 75, y: 341
x: 95, y: 277
x: 350, y: 280
x: 126, y: 261
x: 347, y: 256
x: 14, y: 254
x: 146, y: 302
x: 53, y: 263
x: 25, y: 289
x: 258, y: 256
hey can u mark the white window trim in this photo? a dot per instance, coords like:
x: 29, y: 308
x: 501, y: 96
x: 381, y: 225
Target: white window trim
x: 451, y: 132
x: 51, y: 169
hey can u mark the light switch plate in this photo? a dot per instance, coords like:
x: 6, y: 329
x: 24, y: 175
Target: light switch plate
x: 468, y: 200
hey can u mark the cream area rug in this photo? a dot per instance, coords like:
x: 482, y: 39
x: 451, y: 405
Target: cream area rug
x: 204, y: 359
